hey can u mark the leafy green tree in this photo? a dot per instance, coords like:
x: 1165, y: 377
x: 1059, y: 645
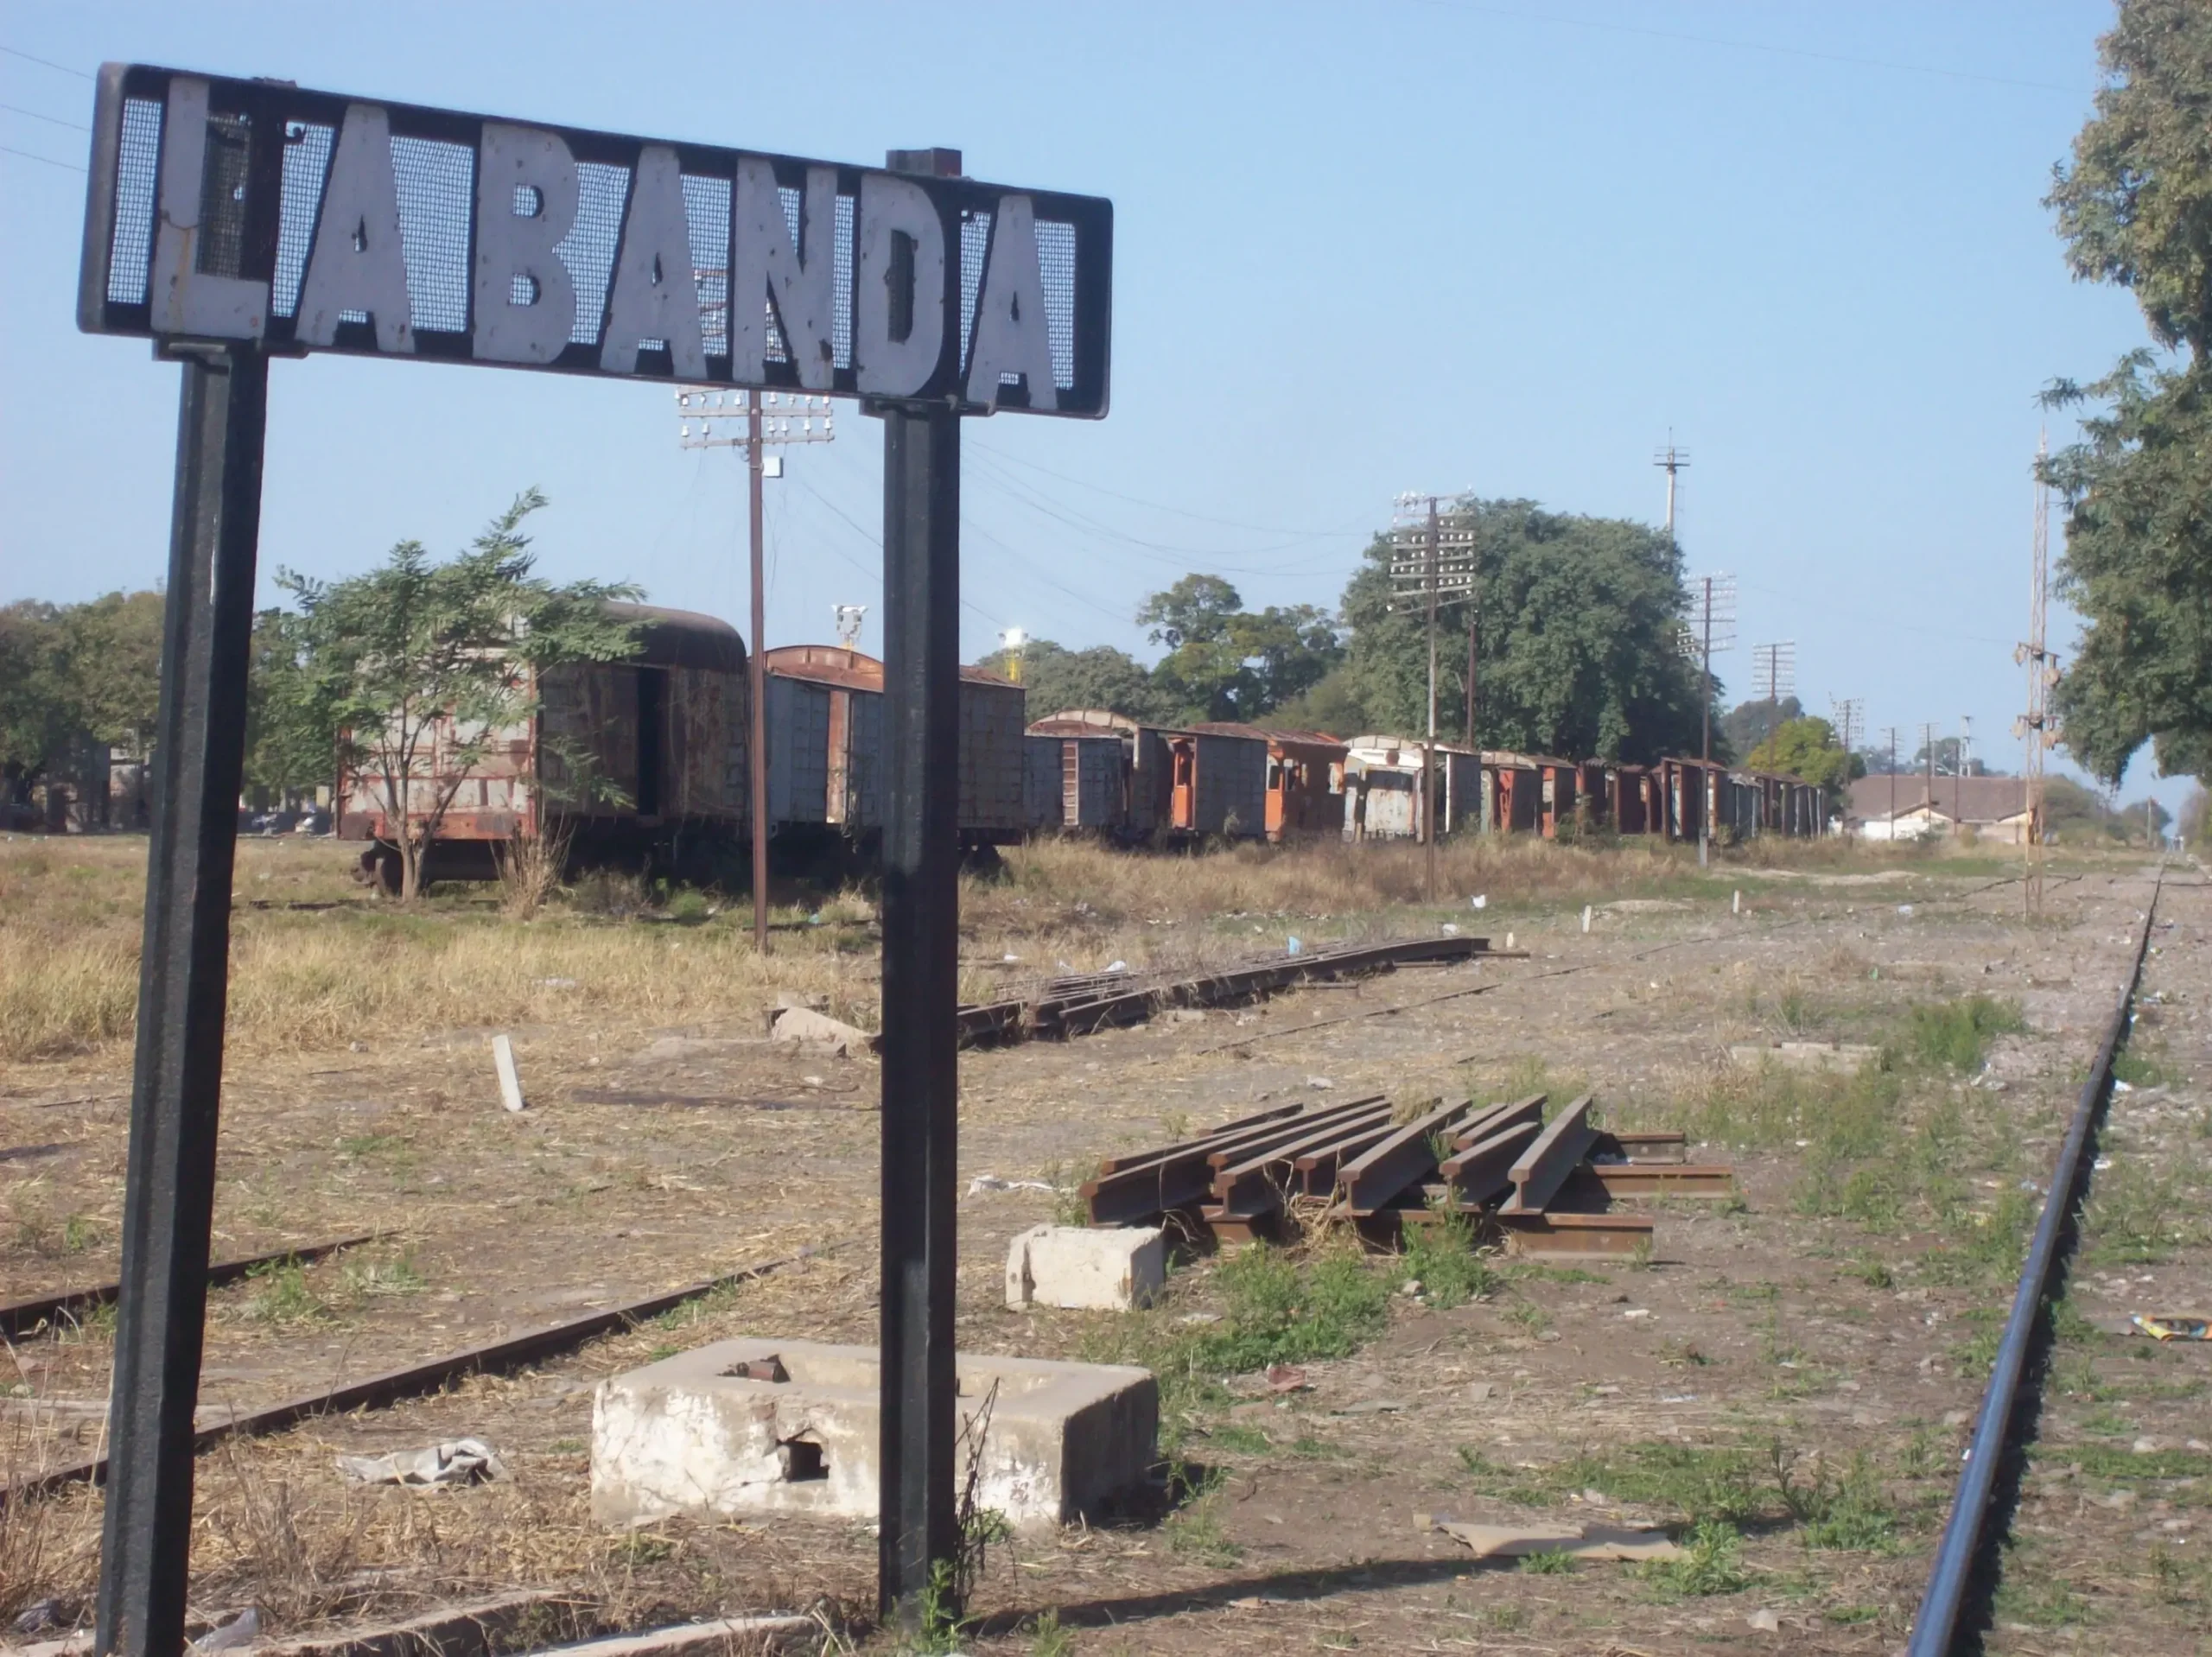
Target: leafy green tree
x: 1336, y: 705
x: 114, y: 646
x: 2134, y: 207
x: 2072, y: 813
x: 1058, y: 679
x: 1748, y: 724
x: 1579, y: 648
x: 419, y: 667
x: 1224, y: 663
x: 1807, y: 749
x: 38, y: 705
x: 290, y: 749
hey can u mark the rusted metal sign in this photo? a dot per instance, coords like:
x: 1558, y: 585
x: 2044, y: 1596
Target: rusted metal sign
x: 258, y: 211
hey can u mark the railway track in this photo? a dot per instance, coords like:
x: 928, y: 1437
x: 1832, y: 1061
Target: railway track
x: 1955, y: 1606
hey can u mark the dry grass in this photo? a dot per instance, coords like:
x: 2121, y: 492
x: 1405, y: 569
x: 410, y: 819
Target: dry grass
x: 316, y: 963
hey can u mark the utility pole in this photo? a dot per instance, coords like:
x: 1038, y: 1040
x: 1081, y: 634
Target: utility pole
x: 1773, y: 676
x: 771, y: 418
x: 1927, y: 747
x: 1890, y: 731
x: 1435, y: 566
x: 2034, y: 727
x: 1959, y: 785
x: 1710, y: 627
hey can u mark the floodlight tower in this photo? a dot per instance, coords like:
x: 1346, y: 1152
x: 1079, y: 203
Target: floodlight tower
x: 1433, y: 563
x: 1671, y: 461
x: 1710, y: 626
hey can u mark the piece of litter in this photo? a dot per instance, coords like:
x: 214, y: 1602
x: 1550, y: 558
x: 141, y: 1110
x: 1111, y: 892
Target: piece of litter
x: 1583, y: 1541
x: 2173, y: 1326
x: 1638, y: 1312
x: 812, y: 1081
x: 1286, y: 1378
x: 1320, y: 1082
x: 1679, y: 1398
x: 2101, y: 1163
x: 558, y: 983
x: 1199, y: 1317
x: 1764, y: 1621
x: 2118, y: 1086
x: 1904, y: 908
x: 2145, y: 1445
x: 817, y: 1033
x: 457, y: 1461
x: 1010, y: 957
x: 1450, y: 929
x: 1480, y: 900
x: 240, y: 1630
x: 982, y: 1182
x: 1477, y: 1391
x: 503, y: 1060
x: 1372, y: 1406
x: 1117, y: 966
x: 1294, y: 947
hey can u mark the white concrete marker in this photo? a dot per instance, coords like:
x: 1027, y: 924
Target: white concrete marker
x: 1736, y: 904
x: 1585, y: 917
x: 1115, y: 1268
x: 503, y: 1056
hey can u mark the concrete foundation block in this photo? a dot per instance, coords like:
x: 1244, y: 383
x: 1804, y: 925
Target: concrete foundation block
x: 754, y: 1427
x: 1109, y: 1269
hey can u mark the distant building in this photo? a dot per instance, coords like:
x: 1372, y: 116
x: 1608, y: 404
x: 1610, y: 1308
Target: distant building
x: 1995, y: 808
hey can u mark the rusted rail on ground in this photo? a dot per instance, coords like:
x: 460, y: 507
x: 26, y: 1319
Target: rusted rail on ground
x: 1966, y: 1555
x: 1082, y: 1002
x: 515, y: 1352
x: 24, y: 1317
x: 1543, y: 1188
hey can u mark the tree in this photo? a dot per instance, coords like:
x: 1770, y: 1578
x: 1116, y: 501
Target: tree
x: 38, y: 711
x: 2134, y: 207
x: 419, y: 667
x: 1748, y: 724
x: 2189, y: 824
x: 1807, y: 749
x: 1579, y: 644
x: 1058, y: 679
x: 290, y: 748
x: 2072, y: 813
x: 1224, y: 663
x: 114, y: 646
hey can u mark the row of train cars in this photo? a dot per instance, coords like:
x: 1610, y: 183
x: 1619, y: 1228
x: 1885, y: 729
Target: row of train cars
x: 644, y: 760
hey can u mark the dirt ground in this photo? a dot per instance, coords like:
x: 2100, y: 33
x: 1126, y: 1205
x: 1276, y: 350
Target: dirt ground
x: 1786, y: 1382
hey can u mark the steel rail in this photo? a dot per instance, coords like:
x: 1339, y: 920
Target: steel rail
x: 1935, y: 1626
x: 24, y: 1317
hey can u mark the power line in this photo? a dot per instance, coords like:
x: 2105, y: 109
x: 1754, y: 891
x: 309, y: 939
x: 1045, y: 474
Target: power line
x: 1080, y: 519
x: 1808, y: 52
x: 66, y: 166
x: 876, y: 541
x: 1155, y: 506
x: 51, y: 120
x: 44, y: 63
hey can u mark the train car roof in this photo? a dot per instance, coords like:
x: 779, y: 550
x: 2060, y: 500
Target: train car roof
x: 850, y: 670
x: 1265, y: 734
x: 1085, y: 723
x: 681, y: 638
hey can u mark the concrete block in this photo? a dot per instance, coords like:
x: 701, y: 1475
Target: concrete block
x: 1107, y: 1269
x: 1847, y: 1058
x: 752, y: 1427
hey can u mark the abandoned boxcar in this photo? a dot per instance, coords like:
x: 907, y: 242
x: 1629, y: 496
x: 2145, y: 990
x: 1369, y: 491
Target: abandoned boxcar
x: 632, y: 759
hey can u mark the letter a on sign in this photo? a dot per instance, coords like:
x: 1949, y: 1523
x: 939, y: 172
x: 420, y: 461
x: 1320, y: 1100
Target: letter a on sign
x: 656, y: 295
x: 358, y: 263
x: 1011, y: 336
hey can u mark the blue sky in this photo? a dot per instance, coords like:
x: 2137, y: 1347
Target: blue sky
x: 1360, y: 251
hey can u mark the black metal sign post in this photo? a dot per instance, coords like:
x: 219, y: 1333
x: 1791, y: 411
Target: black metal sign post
x: 918, y: 1526
x: 183, y: 975
x: 230, y: 220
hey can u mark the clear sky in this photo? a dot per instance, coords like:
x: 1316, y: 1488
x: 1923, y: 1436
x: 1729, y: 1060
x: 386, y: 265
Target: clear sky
x: 1361, y: 250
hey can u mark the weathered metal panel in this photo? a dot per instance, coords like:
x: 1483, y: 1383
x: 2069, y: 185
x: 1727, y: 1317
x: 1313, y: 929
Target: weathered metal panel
x: 1232, y: 786
x: 798, y: 751
x: 992, y: 718
x: 863, y: 762
x: 1042, y: 784
x: 1101, y: 785
x: 1151, y: 783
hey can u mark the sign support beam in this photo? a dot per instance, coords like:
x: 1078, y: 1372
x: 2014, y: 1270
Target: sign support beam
x: 183, y: 981
x: 919, y: 1526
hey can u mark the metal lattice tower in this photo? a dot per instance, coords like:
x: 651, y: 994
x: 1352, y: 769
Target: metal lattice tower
x: 1849, y: 715
x: 1774, y: 671
x: 1709, y: 626
x: 2035, y: 727
x: 1431, y: 564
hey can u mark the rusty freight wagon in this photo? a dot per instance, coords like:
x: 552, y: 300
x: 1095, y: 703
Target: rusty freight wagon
x: 1217, y: 781
x: 825, y: 747
x: 663, y: 732
x: 1303, y: 785
x: 1077, y: 767
x: 1384, y: 788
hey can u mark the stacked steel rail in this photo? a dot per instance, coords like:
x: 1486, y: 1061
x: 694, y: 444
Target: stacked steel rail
x: 1084, y: 1002
x: 1543, y: 1187
x: 1935, y: 1630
